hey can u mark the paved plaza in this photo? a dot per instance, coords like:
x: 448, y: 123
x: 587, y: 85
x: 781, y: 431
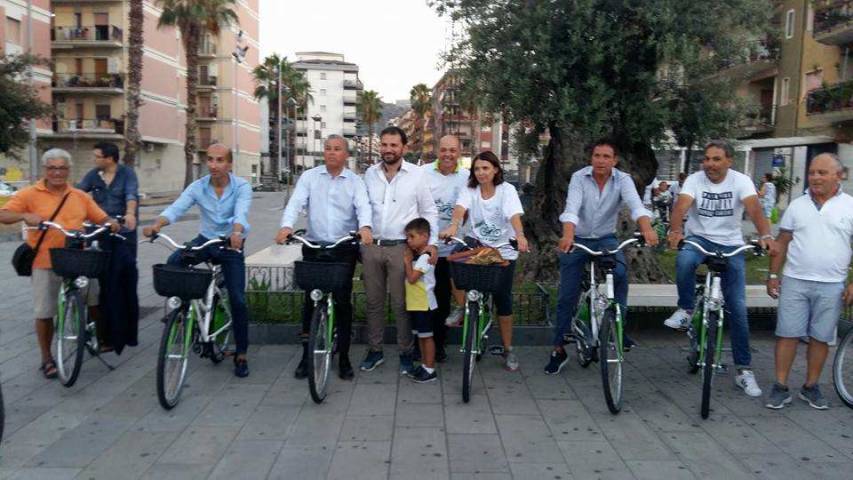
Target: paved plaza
x: 523, y: 425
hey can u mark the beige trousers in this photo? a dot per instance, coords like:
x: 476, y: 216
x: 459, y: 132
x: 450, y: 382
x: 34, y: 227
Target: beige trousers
x: 384, y: 271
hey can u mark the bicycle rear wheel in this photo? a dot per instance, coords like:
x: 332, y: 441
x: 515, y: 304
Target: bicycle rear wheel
x: 71, y: 337
x: 472, y: 318
x: 708, y: 366
x: 842, y: 369
x: 173, y: 357
x: 610, y: 347
x: 320, y: 352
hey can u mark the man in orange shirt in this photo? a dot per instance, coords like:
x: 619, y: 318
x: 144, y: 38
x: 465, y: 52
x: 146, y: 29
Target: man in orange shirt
x: 35, y: 204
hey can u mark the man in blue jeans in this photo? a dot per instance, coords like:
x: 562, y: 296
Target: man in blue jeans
x: 716, y: 198
x: 596, y: 195
x: 223, y: 199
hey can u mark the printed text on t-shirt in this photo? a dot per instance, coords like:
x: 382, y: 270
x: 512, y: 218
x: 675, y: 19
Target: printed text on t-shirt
x: 716, y: 204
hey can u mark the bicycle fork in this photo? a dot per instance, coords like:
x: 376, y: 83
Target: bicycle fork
x: 713, y: 303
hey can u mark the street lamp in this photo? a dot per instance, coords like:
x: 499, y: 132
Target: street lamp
x: 239, y: 55
x: 317, y: 119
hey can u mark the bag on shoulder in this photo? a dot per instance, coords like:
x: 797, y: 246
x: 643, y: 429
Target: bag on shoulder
x: 25, y: 255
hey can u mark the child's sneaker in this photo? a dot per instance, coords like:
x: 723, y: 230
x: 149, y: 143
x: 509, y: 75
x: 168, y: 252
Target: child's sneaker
x: 420, y: 375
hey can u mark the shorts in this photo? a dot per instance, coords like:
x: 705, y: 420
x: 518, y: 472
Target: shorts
x: 767, y: 208
x: 46, y: 285
x: 422, y: 323
x: 503, y: 297
x: 808, y: 308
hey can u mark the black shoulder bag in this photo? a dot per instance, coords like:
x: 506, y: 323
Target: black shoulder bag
x: 25, y: 255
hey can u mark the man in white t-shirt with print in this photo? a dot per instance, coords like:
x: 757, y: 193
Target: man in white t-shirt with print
x: 446, y: 178
x: 716, y: 198
x: 814, y: 245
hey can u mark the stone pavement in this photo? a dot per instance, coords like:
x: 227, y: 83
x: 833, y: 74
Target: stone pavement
x: 522, y: 425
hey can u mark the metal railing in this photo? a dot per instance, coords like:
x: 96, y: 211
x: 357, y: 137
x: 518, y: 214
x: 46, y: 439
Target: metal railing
x: 208, y: 112
x: 208, y: 81
x: 353, y: 84
x: 86, y: 125
x: 763, y: 117
x: 832, y: 15
x: 96, y: 33
x: 830, y: 99
x: 88, y: 80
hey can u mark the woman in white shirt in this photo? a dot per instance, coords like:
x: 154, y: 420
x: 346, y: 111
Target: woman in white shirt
x: 495, y: 211
x: 767, y: 195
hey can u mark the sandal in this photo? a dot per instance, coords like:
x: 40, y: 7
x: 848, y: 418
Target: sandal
x: 48, y: 369
x: 105, y: 348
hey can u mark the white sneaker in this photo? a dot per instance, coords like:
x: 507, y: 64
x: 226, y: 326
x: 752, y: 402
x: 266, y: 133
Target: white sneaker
x: 455, y: 317
x: 746, y: 380
x: 679, y: 320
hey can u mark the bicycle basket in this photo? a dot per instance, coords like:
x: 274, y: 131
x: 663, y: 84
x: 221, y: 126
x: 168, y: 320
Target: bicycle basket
x: 182, y: 282
x: 484, y: 278
x: 327, y: 277
x: 73, y: 263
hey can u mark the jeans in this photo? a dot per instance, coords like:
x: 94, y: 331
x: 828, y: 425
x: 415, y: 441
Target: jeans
x: 571, y: 277
x: 343, y: 298
x: 234, y: 271
x: 733, y: 282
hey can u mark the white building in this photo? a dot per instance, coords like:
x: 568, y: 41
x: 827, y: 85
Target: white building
x: 335, y: 88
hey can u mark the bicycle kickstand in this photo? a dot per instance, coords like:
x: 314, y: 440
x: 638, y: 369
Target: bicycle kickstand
x: 97, y: 355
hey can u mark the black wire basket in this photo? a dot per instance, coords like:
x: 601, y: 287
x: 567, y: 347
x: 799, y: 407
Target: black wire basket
x: 182, y: 282
x: 483, y: 278
x: 73, y: 263
x: 323, y: 276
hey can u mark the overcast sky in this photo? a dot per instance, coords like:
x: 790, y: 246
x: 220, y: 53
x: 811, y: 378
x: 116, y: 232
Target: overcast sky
x: 396, y: 43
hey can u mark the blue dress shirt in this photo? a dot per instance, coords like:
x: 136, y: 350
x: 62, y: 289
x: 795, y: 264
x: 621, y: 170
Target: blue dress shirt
x: 218, y: 214
x: 595, y: 212
x: 112, y: 198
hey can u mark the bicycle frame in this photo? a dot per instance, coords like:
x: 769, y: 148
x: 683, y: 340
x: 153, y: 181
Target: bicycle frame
x: 712, y: 302
x: 203, y: 310
x: 484, y: 319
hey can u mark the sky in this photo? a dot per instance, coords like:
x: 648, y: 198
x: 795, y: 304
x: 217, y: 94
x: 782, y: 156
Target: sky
x: 396, y: 43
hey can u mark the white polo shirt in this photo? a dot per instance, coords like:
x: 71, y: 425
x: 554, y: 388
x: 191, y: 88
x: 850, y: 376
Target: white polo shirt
x: 820, y: 250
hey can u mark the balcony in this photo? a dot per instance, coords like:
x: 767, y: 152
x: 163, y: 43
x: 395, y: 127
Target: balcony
x: 350, y: 98
x: 102, y: 128
x: 833, y: 22
x: 92, y: 36
x: 349, y: 131
x: 835, y: 100
x: 207, y: 113
x: 207, y: 50
x: 353, y: 85
x: 761, y: 120
x: 100, y: 83
x: 206, y: 83
x: 350, y: 117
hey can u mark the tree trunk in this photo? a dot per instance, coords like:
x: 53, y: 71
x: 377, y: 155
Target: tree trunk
x: 369, y: 145
x: 275, y: 147
x: 133, y: 138
x: 190, y: 38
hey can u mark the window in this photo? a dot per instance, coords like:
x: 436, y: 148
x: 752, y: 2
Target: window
x: 810, y: 18
x: 322, y: 108
x: 102, y: 112
x: 322, y: 124
x: 814, y: 80
x: 322, y: 92
x: 786, y: 86
x: 323, y: 77
x: 13, y: 31
x: 789, y: 24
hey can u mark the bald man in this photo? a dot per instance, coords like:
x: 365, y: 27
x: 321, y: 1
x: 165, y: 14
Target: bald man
x: 223, y: 200
x: 814, y: 245
x: 446, y: 178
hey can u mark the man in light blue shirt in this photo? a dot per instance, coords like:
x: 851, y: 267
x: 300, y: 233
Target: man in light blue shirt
x: 337, y: 204
x: 223, y: 200
x: 596, y: 195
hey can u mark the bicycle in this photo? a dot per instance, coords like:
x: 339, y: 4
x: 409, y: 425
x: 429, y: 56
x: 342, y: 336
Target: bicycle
x: 705, y: 329
x: 321, y: 279
x: 597, y: 327
x: 842, y: 373
x: 478, y: 282
x: 80, y: 260
x: 199, y: 320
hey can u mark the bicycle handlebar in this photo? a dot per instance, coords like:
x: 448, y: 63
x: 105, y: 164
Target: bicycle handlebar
x: 512, y: 243
x: 297, y: 236
x: 750, y: 246
x: 177, y: 246
x: 600, y: 253
x: 75, y: 234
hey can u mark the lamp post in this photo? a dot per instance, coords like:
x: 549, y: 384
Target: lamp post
x: 277, y: 169
x: 239, y: 55
x: 317, y: 119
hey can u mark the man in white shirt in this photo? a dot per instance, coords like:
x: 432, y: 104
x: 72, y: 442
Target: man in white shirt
x: 716, y: 197
x: 446, y: 178
x: 814, y: 245
x: 337, y: 203
x: 398, y: 192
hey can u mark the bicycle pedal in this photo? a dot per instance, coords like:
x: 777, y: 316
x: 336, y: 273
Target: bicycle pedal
x: 721, y: 369
x: 496, y: 350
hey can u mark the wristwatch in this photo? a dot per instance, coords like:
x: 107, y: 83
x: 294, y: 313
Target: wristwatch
x: 772, y: 276
x: 766, y: 237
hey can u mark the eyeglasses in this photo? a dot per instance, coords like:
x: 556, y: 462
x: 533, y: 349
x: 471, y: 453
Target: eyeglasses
x: 56, y: 169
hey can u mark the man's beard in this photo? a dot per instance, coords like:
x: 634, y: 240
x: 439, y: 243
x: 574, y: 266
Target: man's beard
x: 394, y: 159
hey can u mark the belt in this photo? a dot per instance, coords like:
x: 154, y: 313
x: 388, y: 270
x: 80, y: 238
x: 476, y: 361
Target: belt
x: 387, y: 243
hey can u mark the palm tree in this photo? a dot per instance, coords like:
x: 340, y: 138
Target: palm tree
x: 133, y: 138
x: 369, y: 109
x: 421, y: 99
x: 293, y: 85
x: 194, y: 18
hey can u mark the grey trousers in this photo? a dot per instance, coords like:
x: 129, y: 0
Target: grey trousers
x: 384, y: 272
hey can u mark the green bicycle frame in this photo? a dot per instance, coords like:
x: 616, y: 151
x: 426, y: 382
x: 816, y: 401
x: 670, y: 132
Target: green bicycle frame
x: 703, y: 336
x: 190, y: 318
x: 330, y: 314
x: 482, y: 320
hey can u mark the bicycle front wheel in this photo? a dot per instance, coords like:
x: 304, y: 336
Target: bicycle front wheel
x: 71, y: 337
x: 320, y: 349
x: 610, y: 346
x: 173, y: 357
x: 709, y: 360
x: 842, y: 369
x: 472, y: 318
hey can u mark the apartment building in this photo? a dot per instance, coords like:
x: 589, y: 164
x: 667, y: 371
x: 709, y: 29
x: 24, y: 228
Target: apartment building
x: 335, y: 89
x: 89, y: 42
x: 25, y: 28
